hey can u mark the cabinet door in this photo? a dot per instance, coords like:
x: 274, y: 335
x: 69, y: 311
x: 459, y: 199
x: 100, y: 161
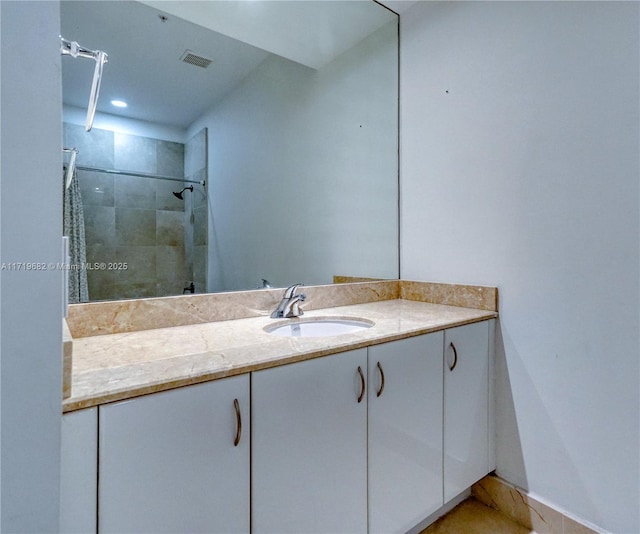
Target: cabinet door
x: 79, y: 472
x: 309, y: 448
x: 466, y: 407
x: 168, y: 462
x: 405, y: 432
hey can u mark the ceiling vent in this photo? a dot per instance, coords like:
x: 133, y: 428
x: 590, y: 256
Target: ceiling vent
x: 194, y: 59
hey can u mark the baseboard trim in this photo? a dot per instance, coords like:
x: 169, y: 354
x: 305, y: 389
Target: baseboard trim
x: 522, y: 508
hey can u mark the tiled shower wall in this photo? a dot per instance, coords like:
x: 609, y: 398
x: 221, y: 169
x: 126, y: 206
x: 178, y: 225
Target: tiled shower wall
x: 132, y: 220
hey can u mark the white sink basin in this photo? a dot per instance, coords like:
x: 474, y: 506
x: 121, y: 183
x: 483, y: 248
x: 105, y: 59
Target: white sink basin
x: 319, y: 327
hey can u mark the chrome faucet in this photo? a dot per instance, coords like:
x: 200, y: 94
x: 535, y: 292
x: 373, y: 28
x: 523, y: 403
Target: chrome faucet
x: 290, y: 304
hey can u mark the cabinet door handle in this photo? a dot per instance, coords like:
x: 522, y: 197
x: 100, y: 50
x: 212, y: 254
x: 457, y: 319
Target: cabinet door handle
x: 362, y: 384
x: 455, y: 357
x: 379, y: 392
x: 236, y: 406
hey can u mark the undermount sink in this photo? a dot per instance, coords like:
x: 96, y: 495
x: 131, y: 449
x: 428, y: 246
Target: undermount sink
x: 319, y: 327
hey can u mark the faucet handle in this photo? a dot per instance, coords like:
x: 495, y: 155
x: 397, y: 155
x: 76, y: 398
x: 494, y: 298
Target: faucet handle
x: 294, y: 305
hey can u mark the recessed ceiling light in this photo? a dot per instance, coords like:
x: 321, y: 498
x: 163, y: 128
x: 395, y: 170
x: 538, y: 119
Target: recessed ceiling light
x: 119, y: 103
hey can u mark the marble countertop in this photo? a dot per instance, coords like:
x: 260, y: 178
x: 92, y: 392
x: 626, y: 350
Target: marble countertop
x: 120, y: 366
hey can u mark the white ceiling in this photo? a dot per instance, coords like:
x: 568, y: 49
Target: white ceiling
x: 310, y: 32
x: 144, y: 65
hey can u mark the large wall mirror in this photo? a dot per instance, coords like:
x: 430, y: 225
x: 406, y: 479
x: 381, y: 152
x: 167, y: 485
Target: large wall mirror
x: 259, y: 144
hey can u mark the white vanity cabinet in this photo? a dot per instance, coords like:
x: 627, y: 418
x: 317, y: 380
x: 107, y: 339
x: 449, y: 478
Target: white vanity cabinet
x: 369, y: 440
x: 324, y: 462
x: 468, y: 430
x: 78, y: 472
x: 177, y: 461
x: 309, y: 446
x: 405, y: 432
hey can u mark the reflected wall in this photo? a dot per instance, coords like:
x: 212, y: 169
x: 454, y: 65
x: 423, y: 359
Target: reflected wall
x: 303, y: 171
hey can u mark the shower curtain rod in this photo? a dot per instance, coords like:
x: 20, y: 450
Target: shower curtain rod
x: 139, y: 174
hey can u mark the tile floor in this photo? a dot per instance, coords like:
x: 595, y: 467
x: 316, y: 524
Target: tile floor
x: 473, y: 517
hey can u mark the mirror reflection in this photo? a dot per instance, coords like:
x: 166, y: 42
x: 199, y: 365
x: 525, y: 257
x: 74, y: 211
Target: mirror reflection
x: 262, y: 152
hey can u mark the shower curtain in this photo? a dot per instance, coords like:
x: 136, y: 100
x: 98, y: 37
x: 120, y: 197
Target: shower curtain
x: 74, y: 228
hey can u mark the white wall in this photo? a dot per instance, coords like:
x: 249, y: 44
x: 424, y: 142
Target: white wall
x: 303, y: 171
x: 519, y: 168
x: 31, y: 229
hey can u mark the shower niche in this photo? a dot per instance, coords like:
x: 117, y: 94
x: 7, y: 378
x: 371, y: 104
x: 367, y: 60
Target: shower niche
x: 142, y: 239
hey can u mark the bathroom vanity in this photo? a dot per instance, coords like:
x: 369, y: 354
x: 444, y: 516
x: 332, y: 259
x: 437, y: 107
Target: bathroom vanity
x: 222, y: 426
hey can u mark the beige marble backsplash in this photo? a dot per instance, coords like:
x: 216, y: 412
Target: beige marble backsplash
x: 99, y: 318
x: 478, y: 297
x: 340, y: 279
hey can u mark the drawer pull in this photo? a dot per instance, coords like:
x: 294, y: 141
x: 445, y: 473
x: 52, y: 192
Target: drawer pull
x: 236, y: 405
x: 379, y: 392
x: 455, y: 357
x: 362, y: 385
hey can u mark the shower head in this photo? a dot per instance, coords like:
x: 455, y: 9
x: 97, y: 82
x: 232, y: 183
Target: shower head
x: 178, y: 194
